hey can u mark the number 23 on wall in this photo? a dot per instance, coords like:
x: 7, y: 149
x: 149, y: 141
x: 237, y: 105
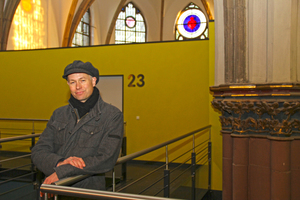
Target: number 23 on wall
x: 136, y: 81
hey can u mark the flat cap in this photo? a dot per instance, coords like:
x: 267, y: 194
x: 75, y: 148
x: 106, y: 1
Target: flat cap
x: 80, y: 67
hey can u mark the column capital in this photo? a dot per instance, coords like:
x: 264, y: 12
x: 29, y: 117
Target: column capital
x: 259, y: 110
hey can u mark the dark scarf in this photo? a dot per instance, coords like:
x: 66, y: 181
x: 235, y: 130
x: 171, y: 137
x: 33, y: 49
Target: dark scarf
x: 85, y: 107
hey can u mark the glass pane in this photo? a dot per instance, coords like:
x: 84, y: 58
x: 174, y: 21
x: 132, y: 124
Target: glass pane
x: 191, y: 23
x: 82, y: 34
x: 86, y: 41
x: 79, y: 40
x: 121, y: 15
x: 120, y: 24
x: 130, y: 36
x: 139, y: 17
x: 134, y: 30
x: 85, y: 28
x: 140, y: 26
x: 79, y: 27
x: 130, y: 10
x: 143, y: 37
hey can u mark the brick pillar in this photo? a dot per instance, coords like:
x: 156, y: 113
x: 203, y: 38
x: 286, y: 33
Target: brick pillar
x: 295, y: 169
x: 227, y: 165
x: 240, y: 167
x: 259, y: 168
x: 280, y: 169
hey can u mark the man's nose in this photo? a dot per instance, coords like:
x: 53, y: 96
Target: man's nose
x: 78, y: 85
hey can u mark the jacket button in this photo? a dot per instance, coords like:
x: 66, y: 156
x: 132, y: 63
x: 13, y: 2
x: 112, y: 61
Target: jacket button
x: 92, y: 133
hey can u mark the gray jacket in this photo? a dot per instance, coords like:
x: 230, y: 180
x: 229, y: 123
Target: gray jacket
x: 96, y: 138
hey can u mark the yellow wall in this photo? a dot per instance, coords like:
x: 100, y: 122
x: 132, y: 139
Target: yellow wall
x: 174, y: 100
x: 216, y: 137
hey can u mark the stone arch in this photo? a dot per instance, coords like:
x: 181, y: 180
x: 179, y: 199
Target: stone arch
x: 6, y: 17
x: 74, y: 19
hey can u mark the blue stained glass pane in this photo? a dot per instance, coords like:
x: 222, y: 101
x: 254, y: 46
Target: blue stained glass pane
x: 191, y: 23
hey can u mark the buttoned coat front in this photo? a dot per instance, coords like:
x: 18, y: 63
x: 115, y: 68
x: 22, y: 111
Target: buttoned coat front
x: 96, y: 138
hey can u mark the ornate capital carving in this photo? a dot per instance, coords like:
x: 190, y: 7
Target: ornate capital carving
x: 262, y: 112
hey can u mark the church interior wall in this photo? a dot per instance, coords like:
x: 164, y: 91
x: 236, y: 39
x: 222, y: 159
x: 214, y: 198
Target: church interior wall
x: 174, y: 100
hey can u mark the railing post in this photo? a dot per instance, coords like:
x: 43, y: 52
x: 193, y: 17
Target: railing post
x: 0, y: 143
x: 114, y: 179
x: 193, y: 170
x: 124, y: 153
x: 167, y: 176
x: 209, y: 160
x: 33, y: 138
x: 209, y: 166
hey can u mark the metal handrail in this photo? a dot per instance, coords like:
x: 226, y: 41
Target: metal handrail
x: 74, y: 179
x: 121, y: 160
x: 23, y: 119
x: 19, y: 137
x: 148, y: 150
x: 95, y: 194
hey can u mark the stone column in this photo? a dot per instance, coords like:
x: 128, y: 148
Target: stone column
x: 240, y: 167
x: 227, y: 165
x: 261, y: 133
x: 257, y: 74
x: 281, y: 168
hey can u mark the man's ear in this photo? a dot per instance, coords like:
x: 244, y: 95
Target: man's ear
x: 94, y: 80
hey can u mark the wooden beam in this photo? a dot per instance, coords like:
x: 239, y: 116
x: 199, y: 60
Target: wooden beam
x: 68, y: 23
x: 207, y: 9
x: 84, y: 6
x: 1, y: 21
x: 8, y: 15
x: 113, y: 21
x: 162, y: 16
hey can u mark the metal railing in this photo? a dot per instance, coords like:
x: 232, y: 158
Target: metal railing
x: 9, y: 130
x: 124, y: 159
x: 96, y: 194
x: 166, y: 176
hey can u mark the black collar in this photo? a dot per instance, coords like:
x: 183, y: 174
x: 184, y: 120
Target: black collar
x: 85, y: 107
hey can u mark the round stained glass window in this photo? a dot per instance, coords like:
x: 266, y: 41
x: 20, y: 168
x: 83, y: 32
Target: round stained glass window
x: 191, y: 23
x: 130, y: 22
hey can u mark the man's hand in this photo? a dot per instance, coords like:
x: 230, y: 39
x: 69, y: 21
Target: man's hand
x: 74, y: 161
x: 50, y: 179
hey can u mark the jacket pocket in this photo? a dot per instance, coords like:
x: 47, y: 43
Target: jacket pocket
x: 90, y: 137
x: 59, y: 136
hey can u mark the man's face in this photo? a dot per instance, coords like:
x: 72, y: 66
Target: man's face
x: 81, y: 85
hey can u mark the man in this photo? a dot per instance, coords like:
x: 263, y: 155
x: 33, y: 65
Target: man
x: 83, y: 137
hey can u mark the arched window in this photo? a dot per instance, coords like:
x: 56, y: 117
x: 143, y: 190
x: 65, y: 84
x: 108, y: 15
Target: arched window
x: 191, y: 24
x: 83, y: 31
x: 130, y: 26
x: 29, y: 25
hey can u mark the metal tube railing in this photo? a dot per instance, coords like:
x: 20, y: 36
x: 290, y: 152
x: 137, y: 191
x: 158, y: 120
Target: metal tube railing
x: 74, y: 179
x: 23, y: 119
x: 19, y: 138
x: 95, y: 194
x: 145, y: 151
x: 121, y: 160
